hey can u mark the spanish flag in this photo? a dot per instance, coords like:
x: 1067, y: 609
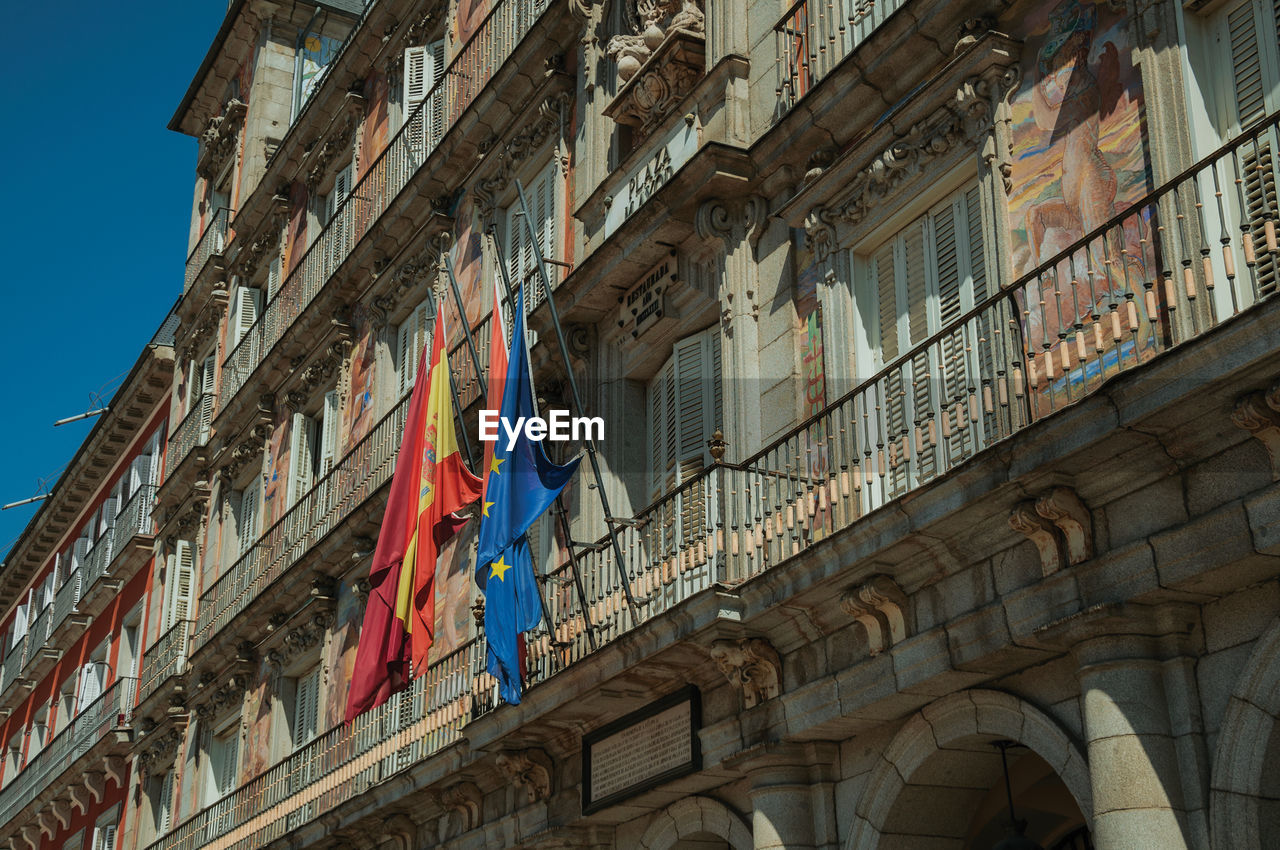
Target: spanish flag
x: 430, y: 483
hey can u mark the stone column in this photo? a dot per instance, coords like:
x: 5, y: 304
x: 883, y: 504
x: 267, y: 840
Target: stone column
x: 735, y: 225
x: 1139, y: 796
x: 791, y: 794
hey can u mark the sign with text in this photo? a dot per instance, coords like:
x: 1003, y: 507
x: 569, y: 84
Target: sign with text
x: 642, y: 750
x: 651, y: 174
x: 646, y: 304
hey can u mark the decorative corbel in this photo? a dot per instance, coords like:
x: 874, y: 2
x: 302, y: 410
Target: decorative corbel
x: 880, y: 606
x: 79, y: 798
x: 1026, y: 521
x: 45, y: 823
x: 752, y: 665
x: 61, y: 812
x: 402, y: 829
x: 1254, y: 413
x: 464, y: 798
x: 530, y: 769
x: 819, y: 234
x: 116, y: 769
x: 1062, y: 507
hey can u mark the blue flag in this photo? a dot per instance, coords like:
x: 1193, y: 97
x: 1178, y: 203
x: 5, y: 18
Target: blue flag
x: 521, y: 484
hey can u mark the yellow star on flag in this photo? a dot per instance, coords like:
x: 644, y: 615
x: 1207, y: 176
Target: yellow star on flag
x: 496, y: 462
x: 499, y: 569
x: 484, y: 511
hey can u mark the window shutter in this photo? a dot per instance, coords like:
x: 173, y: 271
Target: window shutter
x: 90, y: 684
x: 165, y: 804
x: 415, y: 91
x: 436, y: 116
x: 248, y: 305
x: 180, y: 584
x: 247, y: 522
x: 887, y: 300
x: 306, y: 705
x: 108, y: 834
x: 413, y: 336
x: 300, y: 444
x: 1246, y: 64
x: 207, y: 375
x: 328, y: 433
x: 273, y: 277
x: 337, y: 217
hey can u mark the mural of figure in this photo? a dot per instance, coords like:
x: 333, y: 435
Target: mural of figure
x: 1070, y: 99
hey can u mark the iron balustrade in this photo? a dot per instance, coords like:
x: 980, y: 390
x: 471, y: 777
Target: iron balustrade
x: 462, y: 81
x: 133, y: 519
x: 210, y: 244
x: 192, y: 431
x: 815, y: 35
x: 14, y: 662
x: 167, y: 657
x: 346, y: 760
x: 100, y: 718
x: 1186, y: 258
x: 64, y: 604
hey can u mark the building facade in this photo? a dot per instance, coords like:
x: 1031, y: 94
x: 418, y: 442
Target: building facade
x: 937, y: 503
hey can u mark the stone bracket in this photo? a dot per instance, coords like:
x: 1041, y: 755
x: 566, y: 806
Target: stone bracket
x: 880, y: 606
x: 1059, y: 525
x: 751, y: 665
x: 530, y: 769
x: 1259, y: 414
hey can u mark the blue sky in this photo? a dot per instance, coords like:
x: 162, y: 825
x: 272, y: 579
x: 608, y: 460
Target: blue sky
x: 96, y: 206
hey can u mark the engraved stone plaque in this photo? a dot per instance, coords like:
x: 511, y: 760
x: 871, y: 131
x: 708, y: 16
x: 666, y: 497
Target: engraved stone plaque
x: 637, y: 752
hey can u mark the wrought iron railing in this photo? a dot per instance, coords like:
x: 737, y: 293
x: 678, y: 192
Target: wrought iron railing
x: 815, y: 35
x: 192, y: 431
x: 423, y: 129
x: 347, y: 760
x: 109, y: 712
x: 133, y: 519
x: 15, y: 660
x: 37, y: 637
x: 167, y: 657
x: 210, y: 244
x: 1143, y: 283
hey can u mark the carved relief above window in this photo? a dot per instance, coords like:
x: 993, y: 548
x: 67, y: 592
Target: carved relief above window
x: 220, y: 138
x: 652, y: 21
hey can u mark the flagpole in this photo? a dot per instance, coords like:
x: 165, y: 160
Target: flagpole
x: 453, y: 391
x: 577, y: 400
x: 559, y: 509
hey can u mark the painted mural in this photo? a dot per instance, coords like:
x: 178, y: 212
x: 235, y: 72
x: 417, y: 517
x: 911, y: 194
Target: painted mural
x: 455, y: 591
x: 315, y: 54
x: 357, y: 413
x: 468, y: 17
x: 295, y: 244
x: 374, y: 131
x: 276, y: 477
x: 340, y: 659
x: 813, y: 374
x: 466, y: 254
x: 1078, y: 160
x: 256, y: 756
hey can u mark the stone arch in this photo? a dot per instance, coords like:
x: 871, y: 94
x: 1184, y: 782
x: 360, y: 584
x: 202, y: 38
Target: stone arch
x: 965, y: 715
x: 1247, y: 742
x: 693, y: 816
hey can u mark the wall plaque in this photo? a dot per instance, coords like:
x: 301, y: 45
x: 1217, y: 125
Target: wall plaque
x: 648, y: 302
x: 651, y: 174
x: 644, y: 749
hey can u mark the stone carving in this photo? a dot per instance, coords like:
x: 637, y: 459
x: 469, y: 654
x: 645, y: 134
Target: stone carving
x: 750, y: 664
x: 1062, y: 507
x: 96, y: 784
x: 650, y: 95
x: 220, y: 139
x: 819, y: 233
x: 1260, y: 415
x: 1026, y: 521
x: 464, y: 798
x: 880, y: 606
x: 650, y: 22
x: 552, y: 113
x: 419, y: 32
x: 297, y: 640
x: 530, y: 769
x: 334, y: 143
x: 61, y: 812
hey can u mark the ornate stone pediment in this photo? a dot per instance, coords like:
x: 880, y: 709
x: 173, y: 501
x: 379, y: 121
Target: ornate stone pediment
x: 550, y: 120
x: 219, y: 141
x: 650, y: 22
x: 661, y: 83
x: 304, y: 636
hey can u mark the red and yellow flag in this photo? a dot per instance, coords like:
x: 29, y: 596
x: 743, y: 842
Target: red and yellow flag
x: 430, y: 483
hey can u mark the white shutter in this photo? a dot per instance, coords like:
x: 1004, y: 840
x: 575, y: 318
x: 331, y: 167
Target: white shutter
x: 328, y: 433
x: 1246, y: 64
x: 105, y: 837
x: 684, y: 409
x: 207, y: 374
x: 90, y: 684
x: 337, y: 217
x: 273, y: 277
x: 248, y: 305
x: 306, y: 705
x: 164, y: 805
x: 435, y: 109
x: 247, y: 521
x: 412, y: 337
x: 181, y: 579
x: 301, y: 443
x: 522, y: 262
x: 415, y: 91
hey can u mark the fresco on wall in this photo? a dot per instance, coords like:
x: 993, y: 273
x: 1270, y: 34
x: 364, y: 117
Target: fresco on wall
x: 455, y: 590
x: 373, y: 133
x: 257, y: 713
x: 276, y: 478
x: 357, y: 415
x: 466, y: 253
x: 295, y: 243
x: 1078, y: 160
x: 813, y: 377
x: 341, y: 657
x: 468, y: 17
x: 315, y: 54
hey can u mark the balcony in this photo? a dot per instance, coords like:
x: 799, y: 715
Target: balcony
x: 209, y: 246
x: 164, y: 661
x: 990, y: 373
x: 407, y: 152
x: 192, y: 432
x: 816, y: 35
x: 91, y: 733
x: 80, y: 597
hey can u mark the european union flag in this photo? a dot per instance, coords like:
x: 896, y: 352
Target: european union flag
x: 522, y: 484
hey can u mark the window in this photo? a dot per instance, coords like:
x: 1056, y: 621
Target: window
x: 247, y: 515
x: 75, y: 842
x: 13, y: 757
x: 522, y: 263
x: 423, y: 68
x: 178, y: 584
x: 247, y: 305
x: 93, y: 680
x: 305, y: 718
x: 162, y: 802
x: 304, y: 436
x: 39, y: 732
x: 920, y: 281
x: 336, y: 218
x: 684, y: 409
x: 66, y: 707
x: 104, y: 831
x: 1247, y: 37
x: 413, y: 335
